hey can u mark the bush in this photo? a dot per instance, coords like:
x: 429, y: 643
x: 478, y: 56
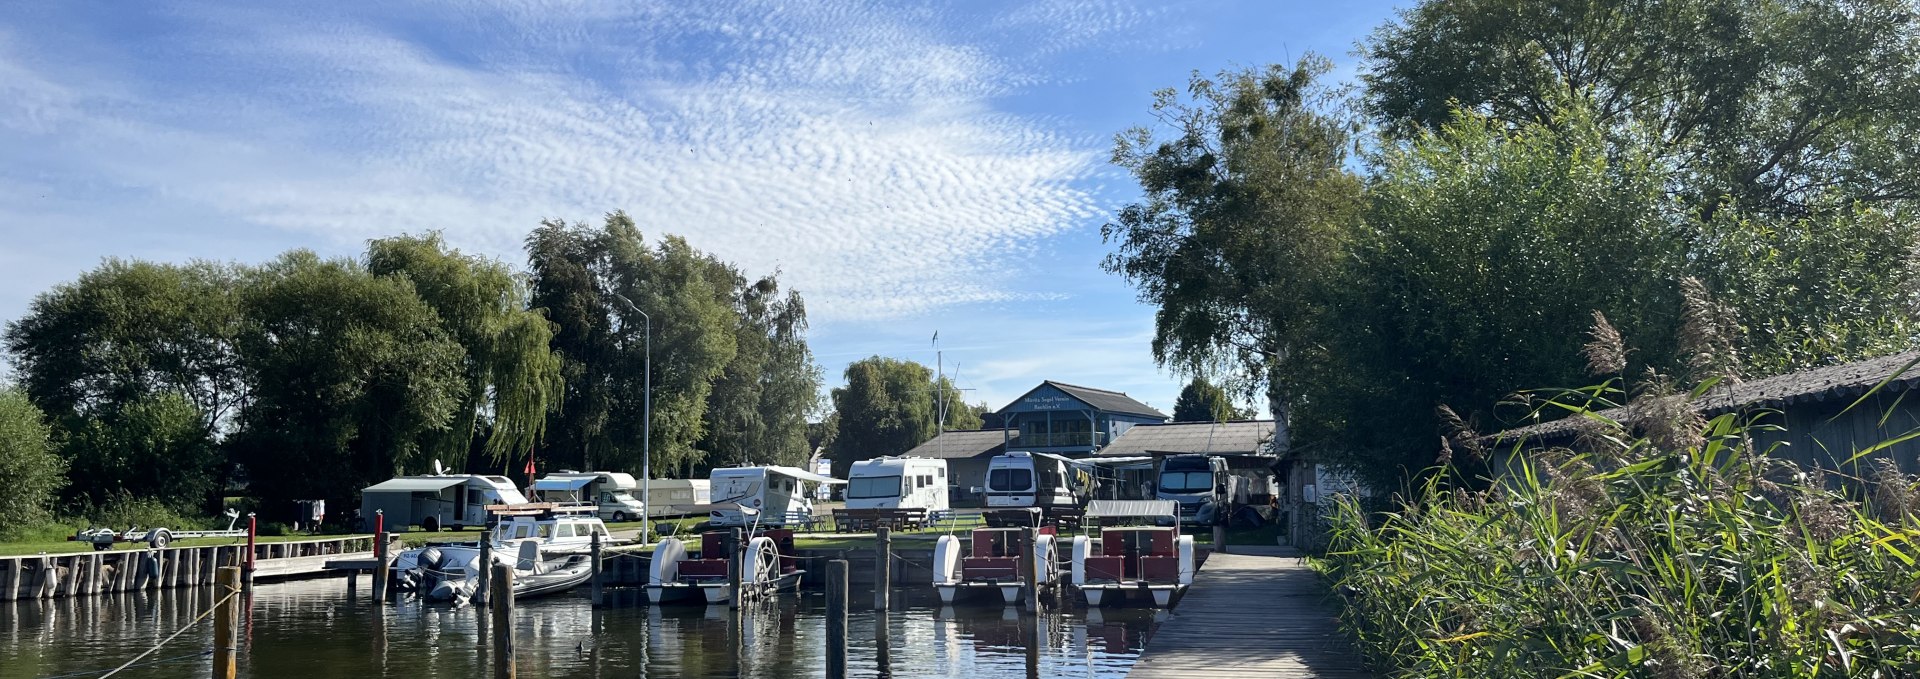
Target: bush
x: 123, y: 512
x: 30, y: 474
x: 1671, y: 549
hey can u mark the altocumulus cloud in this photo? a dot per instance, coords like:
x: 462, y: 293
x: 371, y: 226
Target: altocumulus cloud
x: 859, y: 148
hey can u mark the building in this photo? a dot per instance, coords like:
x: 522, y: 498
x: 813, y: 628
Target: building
x: 1069, y: 420
x: 1828, y: 414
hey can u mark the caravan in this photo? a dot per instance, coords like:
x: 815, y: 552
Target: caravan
x: 898, y: 483
x: 435, y: 502
x: 766, y: 496
x: 610, y: 492
x: 678, y: 497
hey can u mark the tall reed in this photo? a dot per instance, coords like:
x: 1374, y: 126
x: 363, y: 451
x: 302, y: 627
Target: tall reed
x: 1667, y: 547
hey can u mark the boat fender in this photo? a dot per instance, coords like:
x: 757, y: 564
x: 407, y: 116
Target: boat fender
x: 666, y: 562
x: 946, y: 560
x: 1186, y: 559
x: 1082, y: 548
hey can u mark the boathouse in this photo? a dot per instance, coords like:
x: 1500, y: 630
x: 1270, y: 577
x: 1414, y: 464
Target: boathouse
x: 1070, y: 420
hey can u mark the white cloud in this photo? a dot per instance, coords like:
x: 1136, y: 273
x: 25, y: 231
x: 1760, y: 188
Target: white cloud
x: 857, y: 148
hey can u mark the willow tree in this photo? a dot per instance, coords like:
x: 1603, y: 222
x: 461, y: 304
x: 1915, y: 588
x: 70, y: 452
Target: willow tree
x: 512, y: 373
x: 1247, y: 210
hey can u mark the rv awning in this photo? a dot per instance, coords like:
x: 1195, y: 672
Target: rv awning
x: 1098, y: 509
x: 805, y: 475
x: 563, y: 483
x: 432, y: 485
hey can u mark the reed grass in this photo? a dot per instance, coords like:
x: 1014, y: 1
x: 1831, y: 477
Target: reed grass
x: 1667, y: 547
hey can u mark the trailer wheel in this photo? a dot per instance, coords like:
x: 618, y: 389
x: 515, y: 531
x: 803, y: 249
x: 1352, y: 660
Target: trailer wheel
x: 160, y: 538
x: 430, y: 524
x: 102, y: 546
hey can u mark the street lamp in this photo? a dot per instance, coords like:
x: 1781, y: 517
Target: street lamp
x: 646, y: 429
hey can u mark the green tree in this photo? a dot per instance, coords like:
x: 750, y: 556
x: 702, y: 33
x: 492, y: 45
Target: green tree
x: 29, y: 470
x: 1784, y: 107
x: 887, y: 408
x: 1202, y: 401
x: 757, y: 411
x: 512, y: 373
x: 135, y: 364
x: 1244, y: 226
x: 353, y: 379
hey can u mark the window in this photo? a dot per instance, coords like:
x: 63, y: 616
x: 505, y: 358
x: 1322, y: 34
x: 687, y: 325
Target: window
x: 1007, y: 479
x: 867, y: 487
x: 925, y: 481
x: 544, y: 531
x: 565, y: 530
x: 1186, y: 482
x: 943, y: 472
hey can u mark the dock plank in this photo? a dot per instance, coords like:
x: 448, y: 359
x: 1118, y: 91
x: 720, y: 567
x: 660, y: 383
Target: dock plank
x: 1259, y: 614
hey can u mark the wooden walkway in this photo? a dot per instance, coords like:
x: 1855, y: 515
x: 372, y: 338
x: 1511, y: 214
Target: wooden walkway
x: 1260, y: 612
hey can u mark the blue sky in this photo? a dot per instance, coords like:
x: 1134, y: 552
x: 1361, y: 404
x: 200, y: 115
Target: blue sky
x: 909, y: 168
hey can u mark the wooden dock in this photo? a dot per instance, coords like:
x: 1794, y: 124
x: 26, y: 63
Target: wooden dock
x: 1259, y: 612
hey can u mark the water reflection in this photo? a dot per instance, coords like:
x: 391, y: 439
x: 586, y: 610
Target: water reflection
x: 312, y: 629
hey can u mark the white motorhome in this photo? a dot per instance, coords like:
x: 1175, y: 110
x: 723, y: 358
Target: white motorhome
x: 678, y: 497
x: 898, y: 483
x: 1039, y: 480
x: 766, y: 496
x: 610, y: 492
x: 435, y: 502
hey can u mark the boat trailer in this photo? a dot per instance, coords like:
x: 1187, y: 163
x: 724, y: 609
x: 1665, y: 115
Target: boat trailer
x: 103, y: 539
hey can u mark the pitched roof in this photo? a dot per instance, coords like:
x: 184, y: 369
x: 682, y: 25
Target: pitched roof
x: 1826, y: 383
x: 1239, y: 436
x: 1109, y: 401
x: 963, y: 444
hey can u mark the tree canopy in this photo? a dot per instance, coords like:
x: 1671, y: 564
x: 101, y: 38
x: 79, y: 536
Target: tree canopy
x: 29, y: 470
x: 888, y: 406
x: 1203, y: 401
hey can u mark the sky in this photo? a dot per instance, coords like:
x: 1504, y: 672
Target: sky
x: 909, y: 168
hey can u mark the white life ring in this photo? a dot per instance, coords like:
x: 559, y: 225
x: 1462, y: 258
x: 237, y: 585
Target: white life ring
x: 666, y: 562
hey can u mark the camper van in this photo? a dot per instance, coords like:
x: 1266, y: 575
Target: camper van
x: 677, y: 497
x: 1195, y: 481
x: 611, y: 492
x: 764, y: 496
x: 1033, y: 480
x: 898, y: 483
x: 435, y: 502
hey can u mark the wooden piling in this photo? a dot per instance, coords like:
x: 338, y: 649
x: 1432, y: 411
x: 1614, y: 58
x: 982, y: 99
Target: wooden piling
x: 484, y: 588
x: 733, y: 568
x: 1030, y: 569
x: 1220, y: 538
x: 500, y: 598
x: 882, y: 567
x: 226, y: 623
x: 837, y: 619
x: 597, y: 601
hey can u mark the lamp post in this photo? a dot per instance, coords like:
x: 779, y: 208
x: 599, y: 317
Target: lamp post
x: 646, y: 429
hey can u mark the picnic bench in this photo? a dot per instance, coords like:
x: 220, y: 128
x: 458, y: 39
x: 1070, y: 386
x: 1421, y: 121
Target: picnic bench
x: 869, y: 519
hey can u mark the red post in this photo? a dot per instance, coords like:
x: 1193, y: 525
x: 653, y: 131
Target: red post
x: 253, y: 529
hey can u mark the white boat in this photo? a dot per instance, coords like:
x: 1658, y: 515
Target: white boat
x: 548, y: 545
x: 1153, y: 560
x: 993, y: 563
x: 768, y: 565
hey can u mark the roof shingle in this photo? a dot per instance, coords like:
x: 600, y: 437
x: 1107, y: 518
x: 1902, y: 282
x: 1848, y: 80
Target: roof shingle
x: 963, y: 444
x: 1244, y: 437
x: 1109, y: 401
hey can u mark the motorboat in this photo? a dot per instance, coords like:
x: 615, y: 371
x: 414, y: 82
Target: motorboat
x: 993, y: 563
x: 1127, y: 561
x: 768, y: 565
x: 548, y: 545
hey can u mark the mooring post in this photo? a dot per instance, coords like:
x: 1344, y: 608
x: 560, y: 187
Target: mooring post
x: 253, y: 530
x: 882, y: 567
x: 837, y: 619
x: 379, y: 556
x: 226, y: 623
x: 501, y: 599
x: 733, y: 568
x: 1030, y: 568
x: 483, y: 589
x: 596, y: 569
x: 883, y: 643
x: 1220, y: 538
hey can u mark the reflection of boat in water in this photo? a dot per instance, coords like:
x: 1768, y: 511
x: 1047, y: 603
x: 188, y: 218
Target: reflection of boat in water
x: 548, y: 546
x: 992, y: 564
x: 768, y: 565
x: 1124, y: 561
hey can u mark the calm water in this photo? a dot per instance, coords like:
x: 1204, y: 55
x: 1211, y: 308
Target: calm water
x: 311, y: 629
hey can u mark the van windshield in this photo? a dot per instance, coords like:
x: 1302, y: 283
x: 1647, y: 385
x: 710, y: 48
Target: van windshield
x: 1186, y: 482
x: 865, y: 487
x: 1009, y: 479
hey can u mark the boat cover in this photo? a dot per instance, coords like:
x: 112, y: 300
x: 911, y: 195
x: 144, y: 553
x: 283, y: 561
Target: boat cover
x: 1099, y: 509
x: 564, y: 482
x: 415, y: 484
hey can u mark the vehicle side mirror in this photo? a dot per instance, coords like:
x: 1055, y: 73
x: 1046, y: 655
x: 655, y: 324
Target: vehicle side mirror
x: 1221, y: 489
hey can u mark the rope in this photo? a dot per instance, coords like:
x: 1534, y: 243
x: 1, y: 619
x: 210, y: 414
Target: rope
x: 149, y: 663
x: 170, y: 637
